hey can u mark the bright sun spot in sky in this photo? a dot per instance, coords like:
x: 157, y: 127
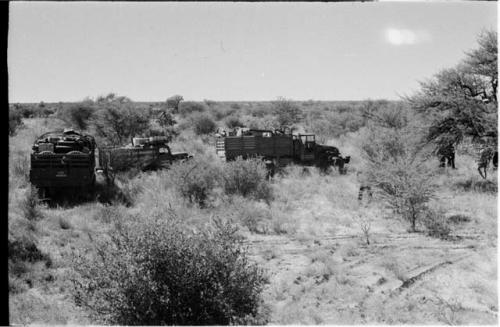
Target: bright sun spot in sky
x: 400, y: 36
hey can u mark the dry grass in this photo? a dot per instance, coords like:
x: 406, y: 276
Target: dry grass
x: 309, y: 240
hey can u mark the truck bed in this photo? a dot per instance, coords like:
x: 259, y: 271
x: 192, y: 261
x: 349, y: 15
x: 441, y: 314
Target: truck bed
x: 234, y: 146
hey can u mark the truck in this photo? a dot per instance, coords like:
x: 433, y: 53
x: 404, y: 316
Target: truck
x: 143, y: 154
x: 279, y: 148
x: 68, y: 162
x: 63, y: 160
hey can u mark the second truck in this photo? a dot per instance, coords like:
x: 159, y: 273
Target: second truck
x: 279, y: 148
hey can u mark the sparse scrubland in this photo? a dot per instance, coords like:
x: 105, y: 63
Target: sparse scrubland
x: 319, y: 256
x: 210, y: 242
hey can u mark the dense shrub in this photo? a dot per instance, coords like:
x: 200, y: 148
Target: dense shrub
x: 117, y: 120
x: 27, y: 111
x: 15, y: 121
x: 203, y: 124
x: 477, y: 185
x: 186, y: 108
x: 436, y: 224
x: 287, y: 112
x: 77, y: 115
x: 194, y: 180
x: 165, y: 118
x: 247, y: 178
x: 30, y: 205
x: 25, y: 249
x: 210, y: 103
x: 233, y: 122
x: 266, y: 122
x: 19, y: 166
x: 173, y: 102
x: 220, y: 112
x: 261, y: 110
x: 157, y: 271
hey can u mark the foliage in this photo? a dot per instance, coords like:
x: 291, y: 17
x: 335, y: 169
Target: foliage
x: 203, y: 124
x: 333, y: 124
x: 157, y: 271
x: 166, y: 119
x: 233, y: 122
x: 78, y: 114
x: 209, y: 102
x: 15, y: 121
x: 188, y: 107
x: 31, y: 205
x: 173, y: 102
x: 116, y: 120
x: 219, y: 112
x: 461, y: 102
x: 25, y: 249
x: 247, y: 178
x: 397, y: 168
x: 194, y: 180
x: 385, y: 114
x: 436, y: 224
x: 287, y: 112
x: 266, y: 122
x: 473, y: 184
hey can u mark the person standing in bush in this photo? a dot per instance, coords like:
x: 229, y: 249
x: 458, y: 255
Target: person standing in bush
x: 485, y: 156
x: 364, y: 185
x: 446, y: 155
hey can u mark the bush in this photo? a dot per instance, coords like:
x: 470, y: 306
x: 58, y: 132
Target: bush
x: 78, y: 115
x: 233, y: 122
x: 477, y: 185
x: 174, y: 101
x: 116, y: 120
x: 19, y: 166
x: 159, y: 272
x: 25, y: 249
x: 194, y: 180
x: 203, y: 124
x: 220, y: 112
x: 27, y: 111
x: 188, y: 107
x: 247, y: 178
x: 31, y: 205
x: 266, y: 122
x: 287, y: 111
x: 15, y: 121
x: 436, y: 224
x: 397, y: 167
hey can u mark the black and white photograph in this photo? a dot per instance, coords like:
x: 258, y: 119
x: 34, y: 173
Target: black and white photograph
x: 252, y: 163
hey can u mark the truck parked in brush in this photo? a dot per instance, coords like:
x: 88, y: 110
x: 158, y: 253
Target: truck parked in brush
x: 67, y: 161
x: 279, y: 148
x: 144, y: 154
x: 63, y: 161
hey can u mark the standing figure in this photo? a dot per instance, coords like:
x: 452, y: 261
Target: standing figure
x: 446, y: 155
x: 485, y: 156
x: 364, y: 185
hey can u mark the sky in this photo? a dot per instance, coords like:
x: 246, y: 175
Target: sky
x: 223, y: 51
